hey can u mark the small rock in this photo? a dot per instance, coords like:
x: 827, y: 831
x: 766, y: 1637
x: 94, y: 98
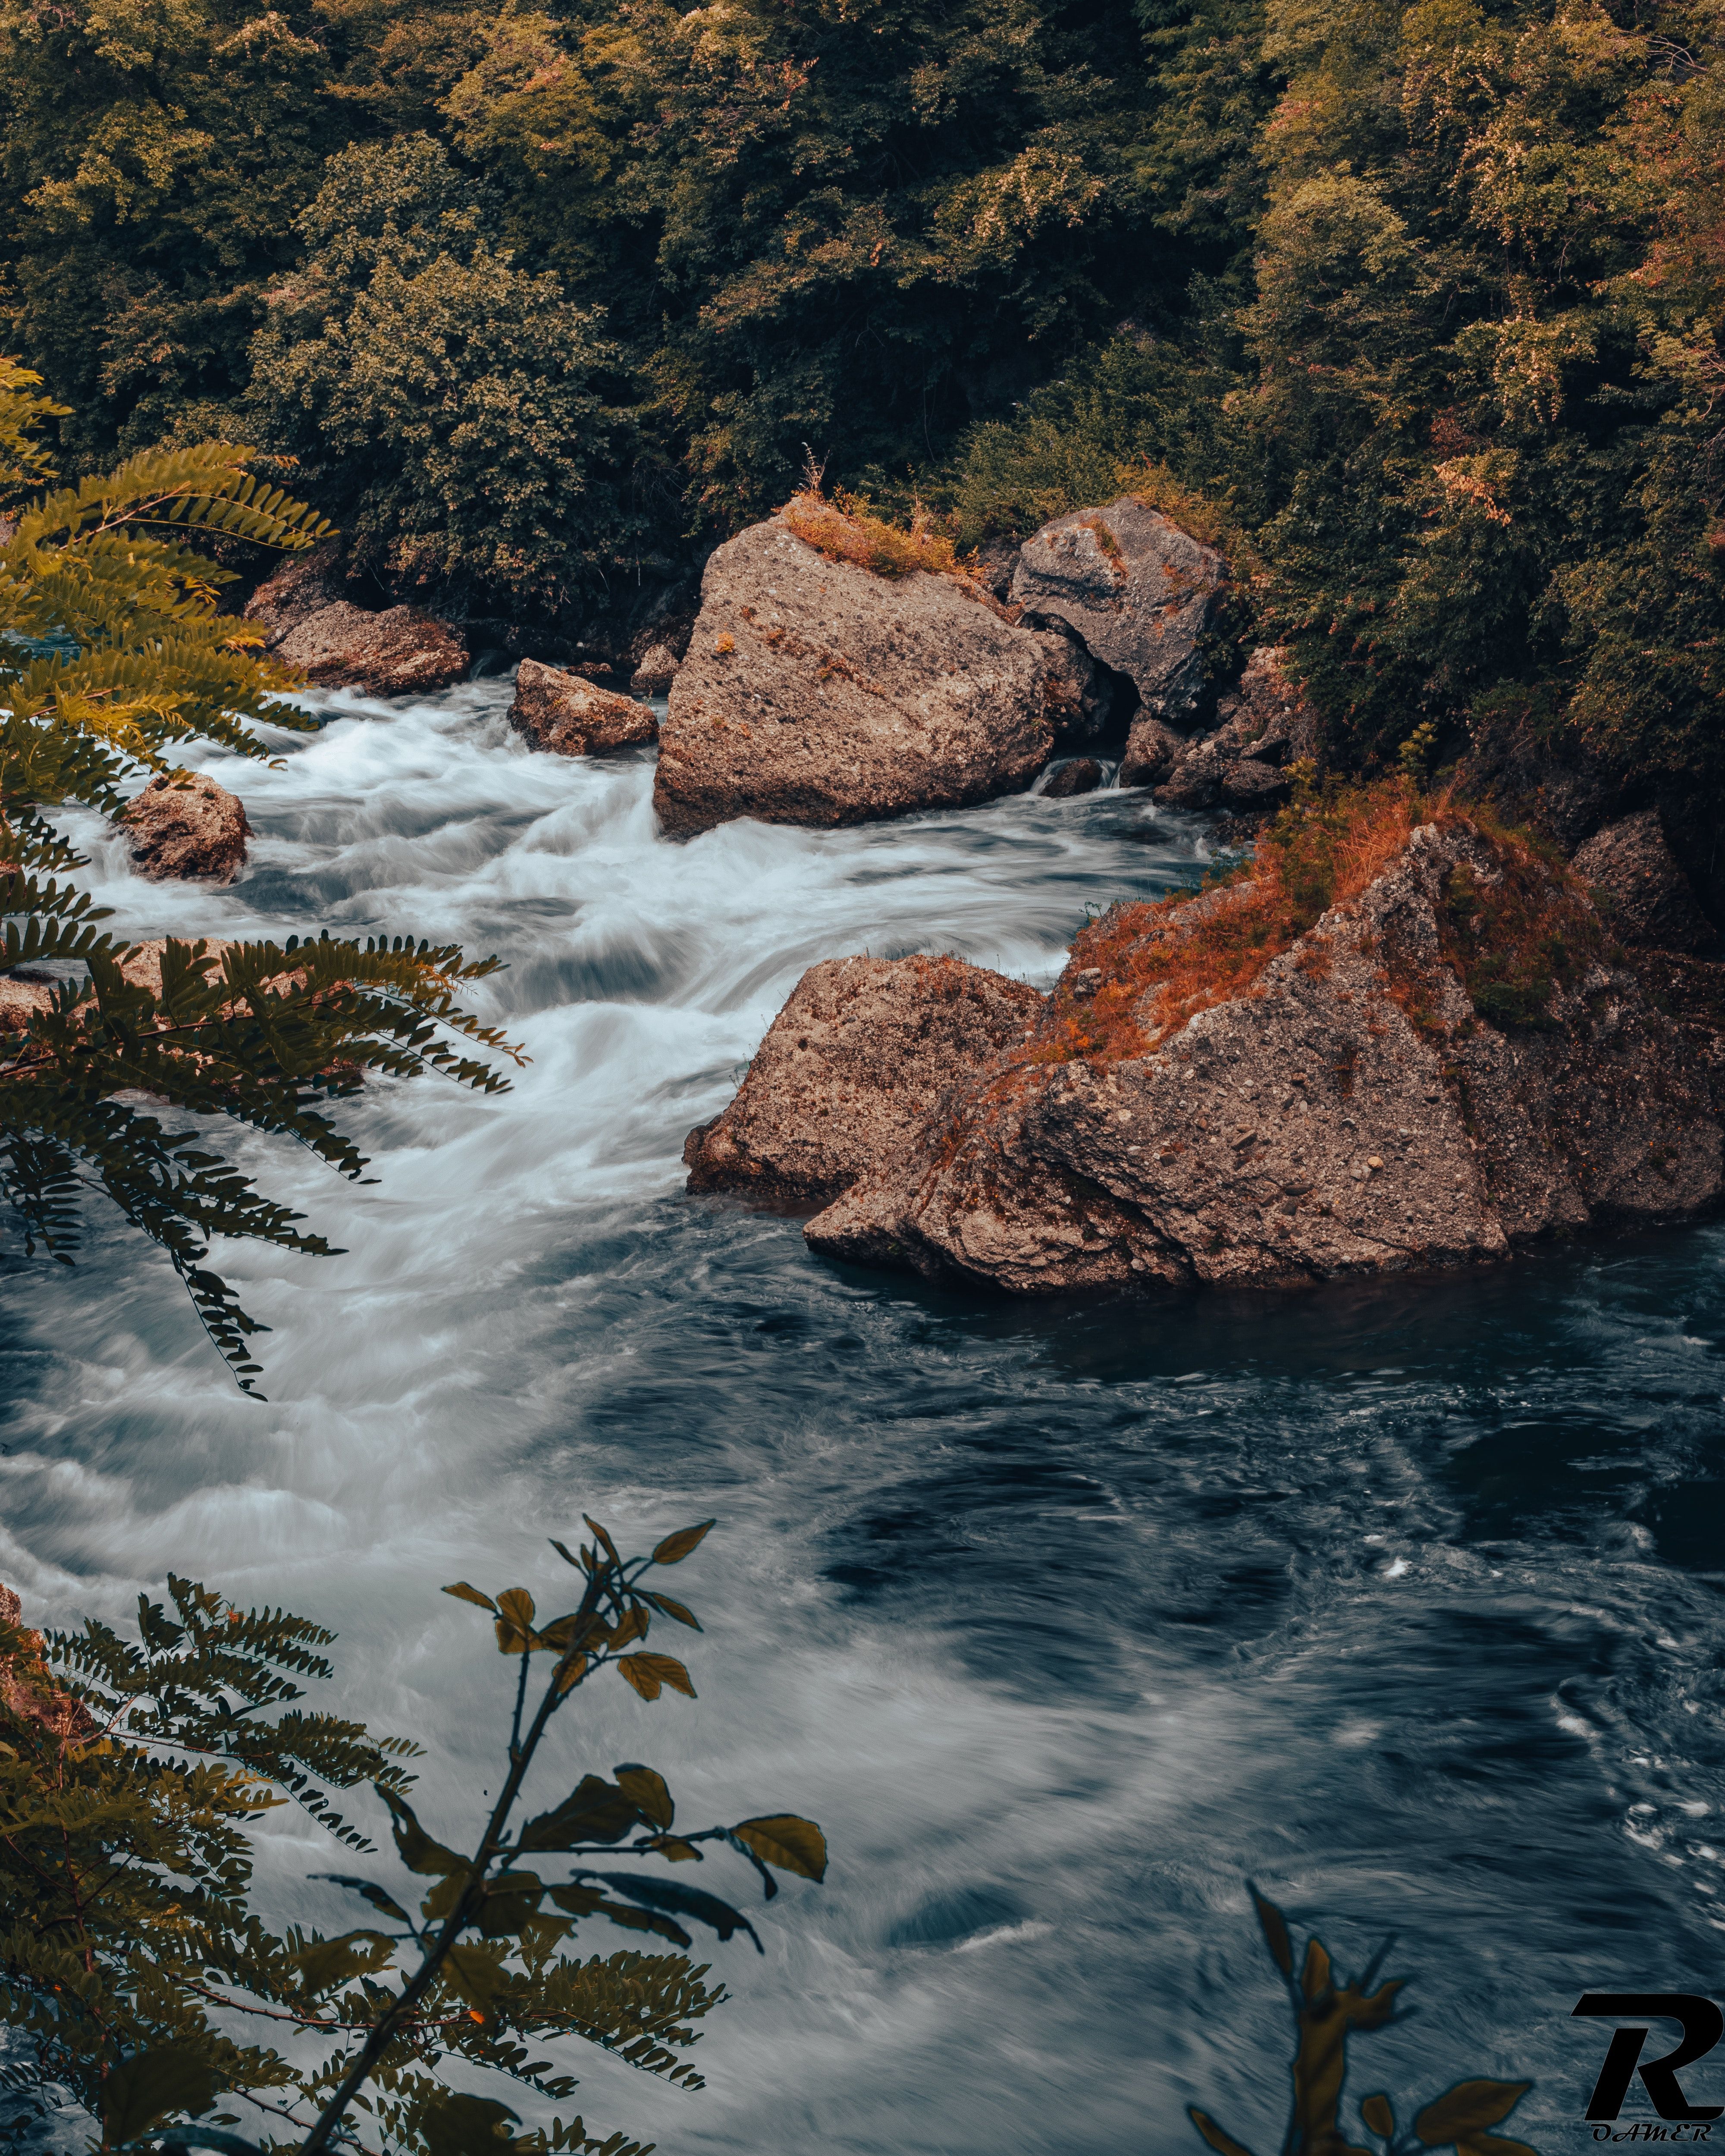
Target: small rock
x: 23, y: 994
x: 1152, y: 749
x: 1375, y: 1162
x: 656, y: 672
x: 1085, y: 982
x: 184, y: 824
x: 560, y: 711
x: 401, y: 652
x: 1250, y: 784
x: 1082, y: 774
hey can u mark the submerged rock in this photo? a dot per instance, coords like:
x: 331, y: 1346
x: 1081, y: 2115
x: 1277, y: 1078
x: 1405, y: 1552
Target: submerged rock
x: 1650, y: 900
x: 1136, y: 590
x: 815, y: 691
x: 184, y: 824
x: 1407, y: 1083
x: 563, y: 712
x: 1078, y: 774
x: 401, y: 652
x: 849, y: 1070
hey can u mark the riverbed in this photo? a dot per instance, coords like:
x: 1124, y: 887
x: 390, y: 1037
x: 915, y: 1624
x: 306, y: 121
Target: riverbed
x: 1061, y: 1618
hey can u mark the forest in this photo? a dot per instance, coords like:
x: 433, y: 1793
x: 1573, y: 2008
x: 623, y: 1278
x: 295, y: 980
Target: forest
x: 1415, y: 308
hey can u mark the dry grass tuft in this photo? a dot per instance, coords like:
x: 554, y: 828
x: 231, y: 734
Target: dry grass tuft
x: 844, y: 529
x: 1163, y: 963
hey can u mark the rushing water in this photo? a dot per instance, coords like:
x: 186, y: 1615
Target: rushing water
x: 1061, y: 1618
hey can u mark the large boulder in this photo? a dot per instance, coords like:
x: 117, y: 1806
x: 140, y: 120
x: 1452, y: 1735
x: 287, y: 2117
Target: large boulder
x: 184, y: 824
x: 1402, y: 1085
x: 815, y: 691
x: 848, y: 1070
x: 401, y: 652
x: 563, y: 712
x: 1136, y: 590
x: 1649, y: 898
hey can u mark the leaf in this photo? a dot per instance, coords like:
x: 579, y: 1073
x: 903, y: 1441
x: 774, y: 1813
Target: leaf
x: 474, y: 1974
x: 675, y: 1547
x: 511, y: 1902
x: 1379, y: 2114
x: 793, y: 1844
x: 375, y: 1894
x: 1276, y: 1931
x: 1223, y: 2144
x: 683, y: 1615
x: 457, y: 2124
x: 674, y: 1849
x: 326, y: 1963
x: 594, y: 1811
x: 140, y: 2092
x: 686, y: 1901
x: 647, y: 1789
x: 577, y: 1900
x: 643, y: 1920
x: 599, y: 1532
x: 1468, y: 2106
x: 471, y: 1595
x: 514, y: 1622
x: 562, y: 1551
x: 418, y: 1851
x: 648, y: 1673
x: 571, y: 1673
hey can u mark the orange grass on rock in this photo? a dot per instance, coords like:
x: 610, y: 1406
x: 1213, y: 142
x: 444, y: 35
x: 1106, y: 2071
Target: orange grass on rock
x: 1163, y: 963
x: 844, y: 529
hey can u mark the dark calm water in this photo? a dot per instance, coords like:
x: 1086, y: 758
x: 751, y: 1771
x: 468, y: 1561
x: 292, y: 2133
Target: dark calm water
x: 1062, y: 1619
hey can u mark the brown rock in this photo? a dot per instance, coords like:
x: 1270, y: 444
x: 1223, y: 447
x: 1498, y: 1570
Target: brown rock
x: 849, y: 1069
x: 656, y: 672
x: 562, y: 712
x: 29, y: 1694
x: 1078, y: 695
x: 1152, y: 749
x: 1137, y: 591
x: 1250, y: 784
x: 1351, y: 1113
x: 1078, y: 774
x: 398, y: 652
x: 1265, y: 716
x: 304, y: 585
x: 184, y: 824
x: 1649, y: 898
x: 816, y: 692
x: 23, y: 994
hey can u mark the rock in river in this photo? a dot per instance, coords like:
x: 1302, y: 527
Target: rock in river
x: 184, y: 824
x: 401, y: 652
x: 849, y: 1070
x: 561, y: 712
x: 815, y: 691
x: 1448, y: 1062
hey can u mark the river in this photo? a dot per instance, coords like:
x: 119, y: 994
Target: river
x: 1062, y: 1619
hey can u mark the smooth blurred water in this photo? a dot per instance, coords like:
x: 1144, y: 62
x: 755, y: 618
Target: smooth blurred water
x: 1062, y: 1619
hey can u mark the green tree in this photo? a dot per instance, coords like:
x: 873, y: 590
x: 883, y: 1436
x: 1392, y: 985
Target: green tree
x: 112, y: 653
x: 153, y: 155
x: 450, y: 408
x: 135, y: 1970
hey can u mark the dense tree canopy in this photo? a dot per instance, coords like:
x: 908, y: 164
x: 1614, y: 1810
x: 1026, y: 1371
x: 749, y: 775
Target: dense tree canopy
x: 1420, y: 305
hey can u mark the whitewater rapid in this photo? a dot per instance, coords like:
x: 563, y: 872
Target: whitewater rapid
x: 1060, y: 1621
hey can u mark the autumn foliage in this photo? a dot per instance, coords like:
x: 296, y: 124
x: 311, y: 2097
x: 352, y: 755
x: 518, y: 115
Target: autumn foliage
x: 845, y: 529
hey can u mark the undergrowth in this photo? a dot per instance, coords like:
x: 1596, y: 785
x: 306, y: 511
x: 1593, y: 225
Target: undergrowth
x: 1514, y: 939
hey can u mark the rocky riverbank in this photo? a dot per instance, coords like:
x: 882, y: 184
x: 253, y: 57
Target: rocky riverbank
x: 1451, y: 1056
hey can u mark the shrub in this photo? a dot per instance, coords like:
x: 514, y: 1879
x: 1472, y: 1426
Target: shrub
x: 845, y: 529
x: 135, y: 1971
